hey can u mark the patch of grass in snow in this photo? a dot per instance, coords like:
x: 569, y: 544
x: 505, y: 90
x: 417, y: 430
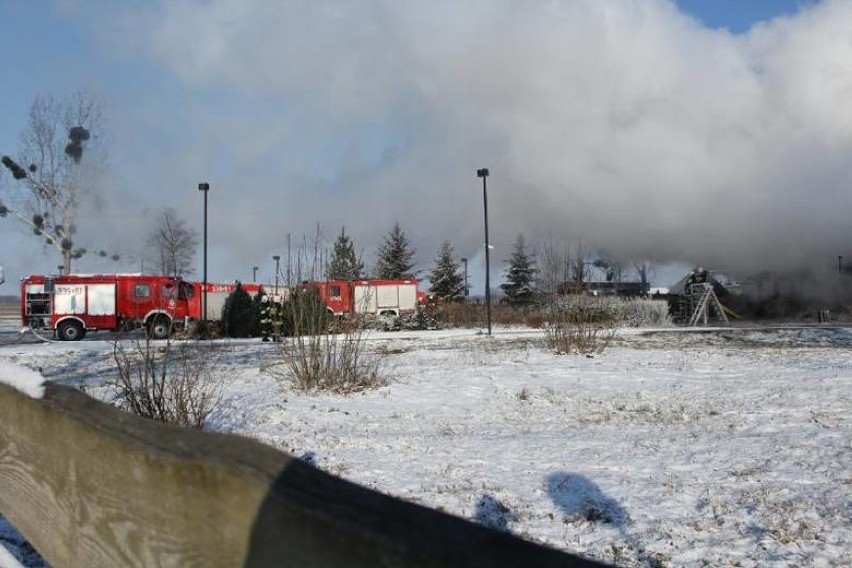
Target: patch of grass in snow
x: 784, y: 525
x: 641, y: 409
x: 446, y: 430
x: 783, y: 518
x: 488, y: 353
x: 391, y: 350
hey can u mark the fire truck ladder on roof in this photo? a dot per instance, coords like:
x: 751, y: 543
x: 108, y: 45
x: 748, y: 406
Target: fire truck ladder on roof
x: 707, y: 306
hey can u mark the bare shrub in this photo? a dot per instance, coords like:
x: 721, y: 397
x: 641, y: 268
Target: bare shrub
x: 166, y: 381
x: 573, y: 324
x: 462, y: 314
x: 473, y: 314
x: 338, y: 363
x: 644, y: 312
x: 535, y: 319
x: 203, y: 330
x: 318, y: 360
x: 617, y: 312
x: 579, y: 324
x: 583, y: 323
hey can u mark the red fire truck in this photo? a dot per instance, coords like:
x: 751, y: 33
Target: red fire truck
x: 73, y: 304
x: 389, y: 298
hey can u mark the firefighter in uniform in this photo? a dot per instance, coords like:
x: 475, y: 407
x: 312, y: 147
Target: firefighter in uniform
x: 276, y: 315
x: 270, y: 319
x: 697, y: 276
x: 264, y: 317
x: 428, y: 312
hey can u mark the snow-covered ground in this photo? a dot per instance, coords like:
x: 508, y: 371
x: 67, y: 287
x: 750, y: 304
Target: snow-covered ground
x: 673, y: 447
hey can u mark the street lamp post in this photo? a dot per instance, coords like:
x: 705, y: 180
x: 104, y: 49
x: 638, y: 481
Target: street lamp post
x: 276, y: 258
x: 204, y: 187
x: 483, y: 173
x: 466, y: 291
x: 61, y: 267
x: 840, y: 264
x: 254, y: 273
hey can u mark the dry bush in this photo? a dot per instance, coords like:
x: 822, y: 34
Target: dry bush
x: 579, y: 324
x: 475, y: 314
x: 318, y: 360
x: 204, y: 330
x: 339, y: 363
x: 462, y: 314
x: 506, y: 315
x: 535, y: 320
x: 586, y: 324
x: 619, y: 312
x: 166, y: 381
x: 644, y: 312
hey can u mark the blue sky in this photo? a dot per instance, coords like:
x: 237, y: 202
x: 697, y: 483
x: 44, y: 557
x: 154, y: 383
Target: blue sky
x: 326, y: 114
x: 739, y: 15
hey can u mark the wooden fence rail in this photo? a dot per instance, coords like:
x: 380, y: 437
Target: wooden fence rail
x: 90, y: 485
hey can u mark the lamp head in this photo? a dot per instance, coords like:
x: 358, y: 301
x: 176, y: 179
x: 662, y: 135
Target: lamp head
x: 203, y: 186
x: 482, y: 172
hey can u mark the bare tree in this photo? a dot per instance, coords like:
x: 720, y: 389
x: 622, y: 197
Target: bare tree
x: 61, y: 154
x: 556, y: 268
x: 612, y: 269
x: 641, y: 267
x: 580, y: 267
x: 173, y: 244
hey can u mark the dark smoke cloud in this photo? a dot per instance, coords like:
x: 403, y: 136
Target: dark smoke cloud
x: 625, y: 124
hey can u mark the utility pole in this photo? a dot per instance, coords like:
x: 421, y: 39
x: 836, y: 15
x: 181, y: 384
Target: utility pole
x: 483, y: 173
x: 466, y: 290
x: 204, y: 188
x: 276, y: 258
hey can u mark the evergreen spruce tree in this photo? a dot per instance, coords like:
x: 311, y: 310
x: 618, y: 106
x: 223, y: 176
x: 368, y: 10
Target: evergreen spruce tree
x: 519, y: 287
x: 238, y: 314
x: 395, y: 256
x: 345, y: 264
x: 446, y: 281
x: 257, y: 308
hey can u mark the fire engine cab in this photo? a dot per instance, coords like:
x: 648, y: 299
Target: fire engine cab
x: 73, y: 304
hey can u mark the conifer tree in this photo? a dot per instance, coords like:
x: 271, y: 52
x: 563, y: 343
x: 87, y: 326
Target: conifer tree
x: 446, y: 281
x: 395, y: 256
x: 519, y: 287
x: 345, y: 264
x: 239, y: 314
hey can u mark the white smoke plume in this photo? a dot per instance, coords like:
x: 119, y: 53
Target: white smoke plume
x: 622, y: 122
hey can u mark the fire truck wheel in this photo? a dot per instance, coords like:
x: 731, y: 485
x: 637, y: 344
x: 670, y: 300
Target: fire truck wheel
x: 160, y: 327
x: 70, y: 330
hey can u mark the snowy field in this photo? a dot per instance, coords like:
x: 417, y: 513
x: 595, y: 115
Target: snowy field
x: 672, y: 448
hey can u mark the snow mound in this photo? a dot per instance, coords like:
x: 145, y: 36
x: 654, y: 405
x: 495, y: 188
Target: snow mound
x: 25, y: 380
